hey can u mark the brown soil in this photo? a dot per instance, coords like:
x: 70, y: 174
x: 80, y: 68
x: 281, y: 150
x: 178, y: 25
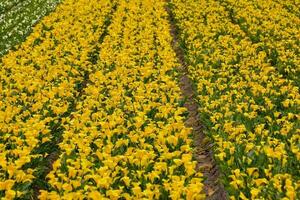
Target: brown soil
x: 203, y: 147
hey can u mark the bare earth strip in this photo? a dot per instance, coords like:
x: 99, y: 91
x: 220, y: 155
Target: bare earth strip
x: 203, y: 147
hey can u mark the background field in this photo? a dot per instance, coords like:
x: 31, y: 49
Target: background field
x: 135, y: 99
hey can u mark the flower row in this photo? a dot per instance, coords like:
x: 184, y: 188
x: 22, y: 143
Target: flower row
x: 127, y: 137
x: 250, y: 110
x: 274, y: 29
x: 40, y: 84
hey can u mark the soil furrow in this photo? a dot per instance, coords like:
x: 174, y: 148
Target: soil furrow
x: 203, y: 147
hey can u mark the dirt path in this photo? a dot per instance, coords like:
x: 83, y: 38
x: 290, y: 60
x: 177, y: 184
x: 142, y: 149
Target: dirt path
x: 203, y: 152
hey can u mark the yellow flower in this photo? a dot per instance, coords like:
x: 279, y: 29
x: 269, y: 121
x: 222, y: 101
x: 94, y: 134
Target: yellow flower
x: 260, y: 181
x: 242, y: 196
x: 95, y: 195
x: 254, y: 192
x: 67, y: 187
x: 126, y: 181
x: 290, y: 193
x: 10, y: 194
x: 6, y: 185
x: 221, y: 156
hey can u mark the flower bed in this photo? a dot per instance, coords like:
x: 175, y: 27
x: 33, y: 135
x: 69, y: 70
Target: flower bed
x: 250, y: 110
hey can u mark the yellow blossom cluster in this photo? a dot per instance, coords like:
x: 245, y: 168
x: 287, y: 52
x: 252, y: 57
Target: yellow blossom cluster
x: 39, y: 85
x: 248, y: 104
x: 127, y: 138
x: 290, y: 5
x: 274, y: 28
x: 98, y: 81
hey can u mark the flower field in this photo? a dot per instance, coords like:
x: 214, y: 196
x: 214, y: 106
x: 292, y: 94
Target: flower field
x: 92, y: 104
x: 249, y: 98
